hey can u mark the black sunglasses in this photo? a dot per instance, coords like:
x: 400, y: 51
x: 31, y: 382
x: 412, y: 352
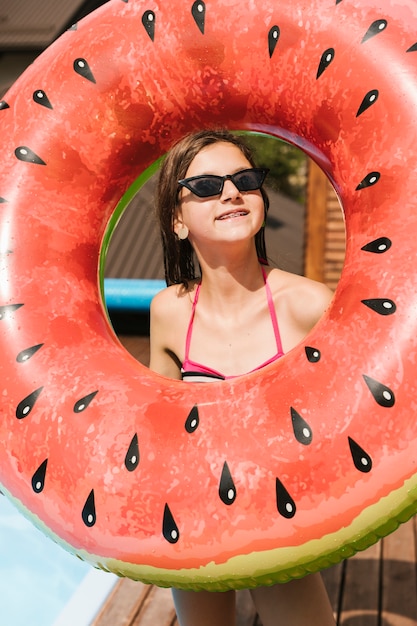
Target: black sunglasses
x: 208, y: 185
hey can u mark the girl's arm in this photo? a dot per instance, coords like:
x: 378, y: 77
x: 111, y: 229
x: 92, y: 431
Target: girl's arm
x: 162, y: 323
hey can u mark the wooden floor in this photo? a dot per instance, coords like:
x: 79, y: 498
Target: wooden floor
x: 377, y: 587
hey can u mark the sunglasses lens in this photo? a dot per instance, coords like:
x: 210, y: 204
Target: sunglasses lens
x: 249, y: 180
x: 206, y: 186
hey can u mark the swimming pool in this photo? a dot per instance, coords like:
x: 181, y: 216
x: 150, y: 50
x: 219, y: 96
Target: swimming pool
x: 42, y: 584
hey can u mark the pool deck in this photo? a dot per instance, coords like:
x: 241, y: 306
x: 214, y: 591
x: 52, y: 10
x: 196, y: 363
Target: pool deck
x: 376, y: 587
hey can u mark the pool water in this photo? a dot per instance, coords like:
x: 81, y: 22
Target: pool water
x: 38, y: 578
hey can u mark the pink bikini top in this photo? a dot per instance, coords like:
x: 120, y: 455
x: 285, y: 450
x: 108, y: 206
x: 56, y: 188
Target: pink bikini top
x: 196, y: 372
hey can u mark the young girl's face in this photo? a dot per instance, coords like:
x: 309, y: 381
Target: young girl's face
x: 232, y: 215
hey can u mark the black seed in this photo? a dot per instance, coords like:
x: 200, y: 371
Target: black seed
x: 23, y: 153
x: 132, y: 456
x: 273, y: 37
x: 378, y: 246
x: 370, y: 99
x: 370, y: 179
x: 193, y: 420
x: 89, y: 511
x: 3, y: 105
x: 302, y: 430
x: 361, y: 459
x: 383, y: 306
x: 227, y: 489
x: 38, y: 478
x: 375, y: 28
x: 73, y: 27
x: 8, y: 308
x: 382, y: 394
x: 26, y: 405
x: 412, y: 48
x: 326, y: 58
x: 148, y: 21
x: 3, y: 200
x: 82, y: 68
x: 313, y: 354
x: 169, y: 527
x: 285, y: 504
x: 40, y: 97
x: 82, y: 404
x: 198, y: 11
x: 27, y: 354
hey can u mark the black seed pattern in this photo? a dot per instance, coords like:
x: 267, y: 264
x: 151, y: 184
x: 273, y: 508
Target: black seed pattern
x: 132, y: 456
x: 27, y: 354
x: 313, y: 354
x: 375, y: 28
x: 326, y: 58
x: 82, y: 404
x: 148, y: 21
x: 378, y: 246
x: 193, y: 420
x: 370, y: 179
x: 412, y: 48
x: 8, y: 308
x: 38, y: 478
x: 227, y: 489
x: 383, y: 395
x: 89, y: 511
x: 370, y: 99
x: 361, y: 459
x: 301, y: 428
x: 40, y: 97
x: 383, y: 306
x: 285, y: 504
x: 273, y: 37
x: 198, y: 11
x: 23, y: 153
x: 82, y: 68
x: 3, y: 200
x: 26, y: 405
x: 169, y: 527
x: 3, y: 105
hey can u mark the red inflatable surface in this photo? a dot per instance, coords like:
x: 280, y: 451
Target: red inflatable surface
x: 261, y: 478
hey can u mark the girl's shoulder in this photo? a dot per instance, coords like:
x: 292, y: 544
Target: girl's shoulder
x: 305, y: 299
x: 173, y: 299
x: 295, y: 285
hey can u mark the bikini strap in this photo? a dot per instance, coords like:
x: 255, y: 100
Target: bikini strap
x: 273, y: 314
x: 190, y: 324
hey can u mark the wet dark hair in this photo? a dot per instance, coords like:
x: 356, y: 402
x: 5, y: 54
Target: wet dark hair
x: 178, y: 253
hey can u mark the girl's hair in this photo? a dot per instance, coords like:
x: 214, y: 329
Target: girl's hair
x: 178, y: 253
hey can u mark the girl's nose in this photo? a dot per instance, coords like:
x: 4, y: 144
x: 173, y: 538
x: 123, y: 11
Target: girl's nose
x: 229, y: 191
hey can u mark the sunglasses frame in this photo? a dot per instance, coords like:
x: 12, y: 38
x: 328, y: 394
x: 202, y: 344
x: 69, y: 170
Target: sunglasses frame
x: 185, y: 182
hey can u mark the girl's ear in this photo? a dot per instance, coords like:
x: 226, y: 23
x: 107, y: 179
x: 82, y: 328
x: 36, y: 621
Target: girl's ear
x: 177, y: 223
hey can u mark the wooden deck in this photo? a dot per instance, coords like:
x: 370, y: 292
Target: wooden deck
x: 377, y: 587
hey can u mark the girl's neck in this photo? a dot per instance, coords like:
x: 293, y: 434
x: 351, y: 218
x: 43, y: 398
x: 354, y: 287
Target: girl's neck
x: 231, y: 280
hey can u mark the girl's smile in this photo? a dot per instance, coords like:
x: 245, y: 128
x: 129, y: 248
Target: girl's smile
x: 232, y: 214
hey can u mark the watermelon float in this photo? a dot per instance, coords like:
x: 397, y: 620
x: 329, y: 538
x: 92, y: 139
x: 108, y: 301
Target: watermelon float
x: 258, y: 479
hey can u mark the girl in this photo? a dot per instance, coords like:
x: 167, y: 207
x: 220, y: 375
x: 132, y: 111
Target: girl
x: 210, y: 202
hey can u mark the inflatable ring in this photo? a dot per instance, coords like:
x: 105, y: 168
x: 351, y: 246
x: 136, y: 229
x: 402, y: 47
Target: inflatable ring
x: 262, y: 478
